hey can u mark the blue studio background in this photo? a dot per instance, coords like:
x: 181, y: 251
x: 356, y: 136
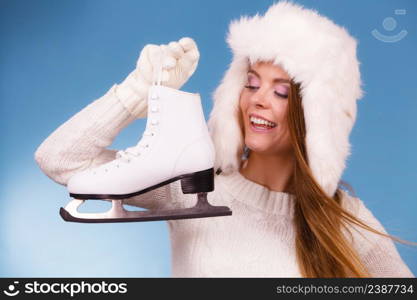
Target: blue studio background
x: 56, y: 57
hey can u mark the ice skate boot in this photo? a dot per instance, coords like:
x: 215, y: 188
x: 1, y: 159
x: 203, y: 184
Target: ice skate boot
x: 175, y: 145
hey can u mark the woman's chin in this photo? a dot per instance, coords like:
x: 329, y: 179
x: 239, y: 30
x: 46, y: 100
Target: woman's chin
x: 266, y: 148
x: 258, y: 147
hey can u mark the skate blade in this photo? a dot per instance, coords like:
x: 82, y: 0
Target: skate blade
x: 118, y: 214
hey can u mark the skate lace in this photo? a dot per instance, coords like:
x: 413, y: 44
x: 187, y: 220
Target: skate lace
x: 135, y: 151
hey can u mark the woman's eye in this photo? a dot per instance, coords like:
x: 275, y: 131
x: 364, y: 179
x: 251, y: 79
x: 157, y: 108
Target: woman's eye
x: 281, y: 95
x: 281, y: 91
x: 251, y: 87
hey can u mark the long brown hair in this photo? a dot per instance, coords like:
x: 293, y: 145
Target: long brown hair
x: 322, y: 249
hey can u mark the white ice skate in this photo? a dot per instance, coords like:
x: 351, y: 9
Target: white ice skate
x: 175, y: 145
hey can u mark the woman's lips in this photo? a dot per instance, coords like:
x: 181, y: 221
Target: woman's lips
x: 260, y: 130
x: 259, y: 117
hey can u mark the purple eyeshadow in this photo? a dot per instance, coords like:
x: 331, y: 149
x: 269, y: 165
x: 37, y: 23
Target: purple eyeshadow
x: 281, y: 89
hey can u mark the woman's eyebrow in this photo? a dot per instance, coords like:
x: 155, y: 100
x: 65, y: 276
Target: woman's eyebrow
x: 275, y: 80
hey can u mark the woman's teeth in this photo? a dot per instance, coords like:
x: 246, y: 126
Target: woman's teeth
x: 262, y: 123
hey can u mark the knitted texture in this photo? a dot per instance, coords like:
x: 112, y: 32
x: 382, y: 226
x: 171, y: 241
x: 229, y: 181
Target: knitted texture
x: 258, y: 240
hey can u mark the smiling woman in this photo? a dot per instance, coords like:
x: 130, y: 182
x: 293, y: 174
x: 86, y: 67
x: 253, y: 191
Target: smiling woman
x: 264, y: 105
x: 261, y: 106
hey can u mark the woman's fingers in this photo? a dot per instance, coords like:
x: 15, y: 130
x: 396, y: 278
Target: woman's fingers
x: 179, y: 60
x: 193, y: 55
x: 169, y: 59
x: 165, y: 76
x: 191, y: 50
x: 154, y: 54
x: 176, y: 50
x: 145, y: 63
x: 187, y: 44
x: 185, y: 51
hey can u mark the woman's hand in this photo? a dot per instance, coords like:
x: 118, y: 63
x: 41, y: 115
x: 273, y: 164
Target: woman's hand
x: 179, y: 62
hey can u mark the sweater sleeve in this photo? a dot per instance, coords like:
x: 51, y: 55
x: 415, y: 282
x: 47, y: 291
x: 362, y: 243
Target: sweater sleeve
x: 80, y: 143
x: 378, y: 253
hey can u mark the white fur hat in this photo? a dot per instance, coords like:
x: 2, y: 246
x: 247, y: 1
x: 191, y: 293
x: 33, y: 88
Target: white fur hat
x: 316, y: 53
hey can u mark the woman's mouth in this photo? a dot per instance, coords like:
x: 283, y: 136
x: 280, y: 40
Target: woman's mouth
x: 261, y: 125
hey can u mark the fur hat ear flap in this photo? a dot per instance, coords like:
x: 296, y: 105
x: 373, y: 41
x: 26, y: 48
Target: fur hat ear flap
x: 224, y: 123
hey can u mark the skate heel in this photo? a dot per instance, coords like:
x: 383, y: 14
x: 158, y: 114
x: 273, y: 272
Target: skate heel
x: 198, y: 182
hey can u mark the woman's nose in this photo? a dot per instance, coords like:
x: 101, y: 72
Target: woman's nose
x: 260, y: 98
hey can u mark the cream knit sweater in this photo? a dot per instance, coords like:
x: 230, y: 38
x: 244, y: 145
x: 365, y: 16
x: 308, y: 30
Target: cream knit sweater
x: 256, y: 241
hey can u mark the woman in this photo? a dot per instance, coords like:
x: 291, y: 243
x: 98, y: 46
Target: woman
x: 280, y: 125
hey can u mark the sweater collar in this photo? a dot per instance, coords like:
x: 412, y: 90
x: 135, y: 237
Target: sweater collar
x: 257, y: 195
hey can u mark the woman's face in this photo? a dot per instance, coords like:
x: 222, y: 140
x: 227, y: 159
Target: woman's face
x: 263, y: 103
